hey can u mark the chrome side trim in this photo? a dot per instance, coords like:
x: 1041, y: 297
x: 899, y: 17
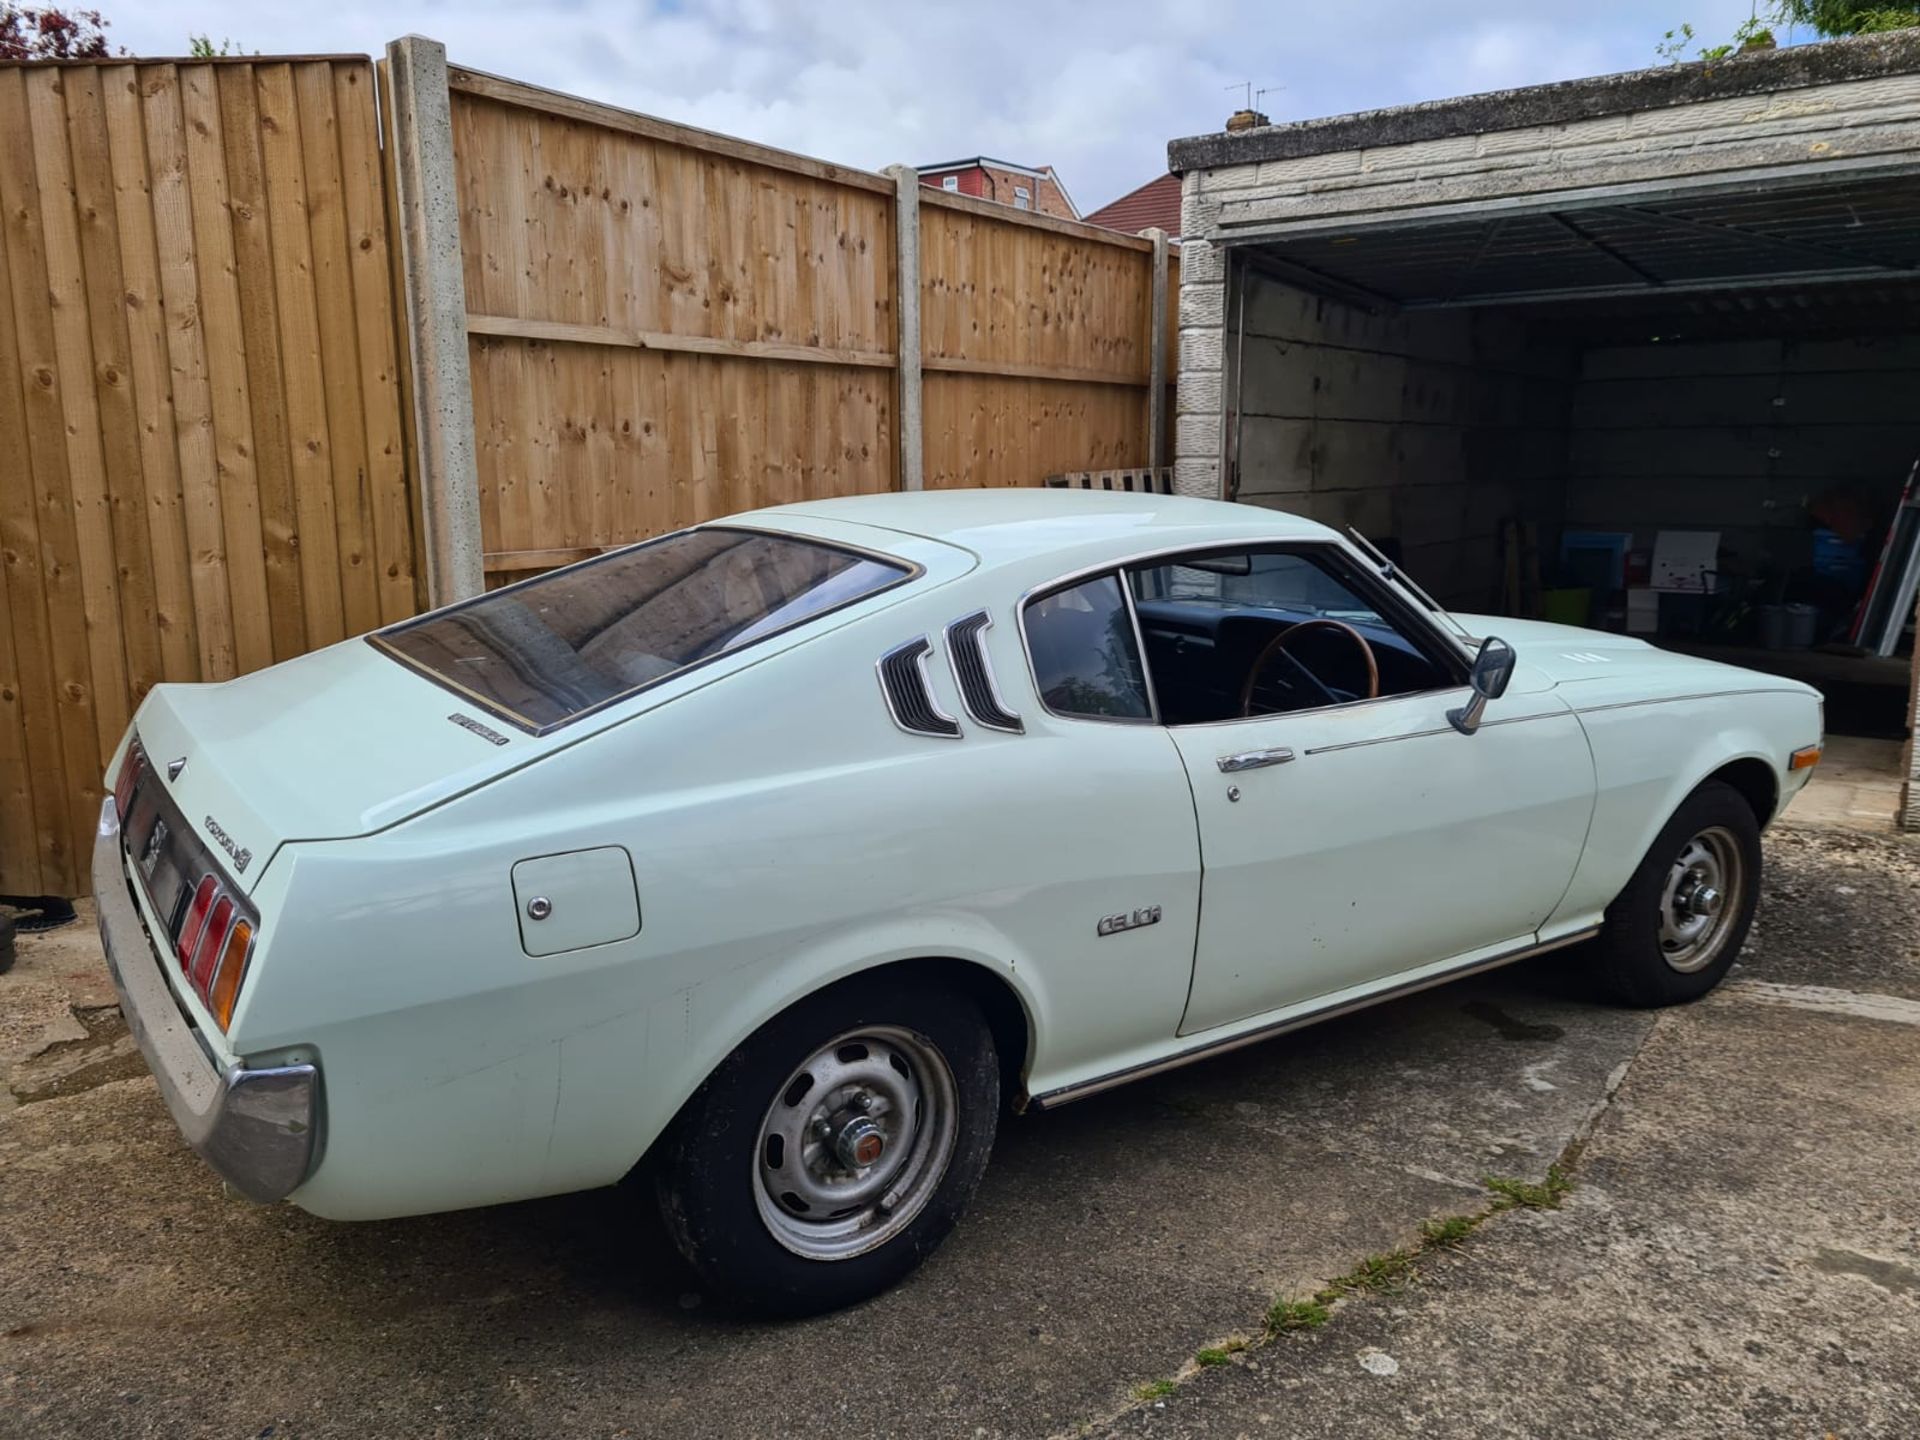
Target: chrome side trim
x: 1676, y: 699
x: 1425, y: 734
x: 973, y: 673
x: 1066, y: 1094
x: 908, y: 690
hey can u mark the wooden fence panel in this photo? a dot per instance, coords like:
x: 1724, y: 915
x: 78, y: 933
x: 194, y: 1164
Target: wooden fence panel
x: 665, y: 325
x: 1035, y: 340
x: 200, y: 460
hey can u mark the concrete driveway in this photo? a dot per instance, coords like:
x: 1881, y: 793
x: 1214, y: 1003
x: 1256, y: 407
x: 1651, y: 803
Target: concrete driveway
x: 1739, y: 1253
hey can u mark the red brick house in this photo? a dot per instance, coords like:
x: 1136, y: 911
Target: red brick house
x: 1021, y: 186
x: 1155, y: 204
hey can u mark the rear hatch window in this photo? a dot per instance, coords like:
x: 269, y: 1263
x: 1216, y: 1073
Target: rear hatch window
x: 559, y: 646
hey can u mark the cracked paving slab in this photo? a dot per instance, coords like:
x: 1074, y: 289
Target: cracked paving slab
x: 1110, y: 1241
x: 1740, y: 1257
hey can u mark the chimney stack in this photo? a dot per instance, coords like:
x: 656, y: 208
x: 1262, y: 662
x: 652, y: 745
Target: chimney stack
x: 1245, y: 120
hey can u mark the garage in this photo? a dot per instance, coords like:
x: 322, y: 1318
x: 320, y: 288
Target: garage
x: 1640, y: 352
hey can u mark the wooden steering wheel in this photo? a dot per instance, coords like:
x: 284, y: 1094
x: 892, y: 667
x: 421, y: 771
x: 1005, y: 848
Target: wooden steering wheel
x: 1278, y: 646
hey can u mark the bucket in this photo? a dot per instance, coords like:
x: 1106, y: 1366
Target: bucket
x: 1773, y: 625
x: 1803, y: 623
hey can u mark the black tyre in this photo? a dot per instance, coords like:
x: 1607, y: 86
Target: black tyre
x: 1675, y: 931
x: 835, y: 1149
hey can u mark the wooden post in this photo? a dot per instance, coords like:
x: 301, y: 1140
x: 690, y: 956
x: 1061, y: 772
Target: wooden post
x: 1157, y: 366
x: 906, y: 229
x: 436, y: 317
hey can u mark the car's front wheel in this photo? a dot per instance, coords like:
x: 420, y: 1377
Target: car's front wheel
x: 834, y: 1149
x: 1677, y: 928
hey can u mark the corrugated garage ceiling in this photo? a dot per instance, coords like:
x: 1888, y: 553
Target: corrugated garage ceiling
x: 1771, y: 235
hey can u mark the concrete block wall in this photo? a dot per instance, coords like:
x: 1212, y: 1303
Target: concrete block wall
x: 1741, y: 437
x: 1429, y: 428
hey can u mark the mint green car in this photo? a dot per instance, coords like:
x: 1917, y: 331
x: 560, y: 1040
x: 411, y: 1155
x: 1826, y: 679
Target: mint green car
x: 786, y: 852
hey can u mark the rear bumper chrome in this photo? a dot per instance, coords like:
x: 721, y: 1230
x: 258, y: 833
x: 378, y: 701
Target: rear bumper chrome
x: 256, y: 1128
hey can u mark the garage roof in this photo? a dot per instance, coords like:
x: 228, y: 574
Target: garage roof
x: 1844, y: 218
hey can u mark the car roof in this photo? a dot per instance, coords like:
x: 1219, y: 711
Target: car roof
x: 1013, y: 524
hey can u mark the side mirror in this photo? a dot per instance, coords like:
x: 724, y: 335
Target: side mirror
x: 1492, y: 670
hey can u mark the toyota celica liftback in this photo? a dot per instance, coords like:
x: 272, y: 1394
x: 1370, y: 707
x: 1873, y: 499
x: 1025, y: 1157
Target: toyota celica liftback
x: 782, y: 851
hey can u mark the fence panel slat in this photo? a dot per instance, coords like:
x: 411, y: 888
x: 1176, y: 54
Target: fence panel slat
x: 227, y: 365
x: 42, y: 509
x: 150, y: 529
x: 266, y: 386
x: 664, y: 326
x: 158, y: 473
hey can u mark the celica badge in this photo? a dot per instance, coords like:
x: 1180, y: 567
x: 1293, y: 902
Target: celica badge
x: 240, y: 854
x: 1114, y: 924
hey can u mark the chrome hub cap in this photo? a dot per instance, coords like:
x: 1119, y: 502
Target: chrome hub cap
x: 855, y: 1143
x: 1701, y: 896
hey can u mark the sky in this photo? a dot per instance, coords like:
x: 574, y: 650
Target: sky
x: 1095, y: 90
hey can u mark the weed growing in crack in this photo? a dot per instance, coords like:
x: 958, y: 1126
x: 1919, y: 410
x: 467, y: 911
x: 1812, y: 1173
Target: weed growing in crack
x: 1153, y: 1390
x: 1219, y: 1354
x: 1289, y: 1315
x: 1519, y: 1193
x: 1448, y: 1234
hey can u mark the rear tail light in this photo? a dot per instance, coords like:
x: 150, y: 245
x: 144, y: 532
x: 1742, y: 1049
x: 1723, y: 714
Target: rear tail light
x: 129, y: 776
x: 233, y: 969
x: 213, y: 940
x: 214, y: 946
x: 209, y: 925
x: 196, y: 922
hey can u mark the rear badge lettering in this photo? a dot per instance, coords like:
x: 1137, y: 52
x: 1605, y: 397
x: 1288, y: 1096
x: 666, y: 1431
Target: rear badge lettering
x: 1114, y: 924
x: 241, y: 855
x: 467, y: 722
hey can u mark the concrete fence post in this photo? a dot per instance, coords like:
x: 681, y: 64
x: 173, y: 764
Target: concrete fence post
x: 1157, y: 363
x: 436, y: 315
x: 906, y: 229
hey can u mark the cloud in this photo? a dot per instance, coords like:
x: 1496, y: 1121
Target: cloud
x: 1094, y: 89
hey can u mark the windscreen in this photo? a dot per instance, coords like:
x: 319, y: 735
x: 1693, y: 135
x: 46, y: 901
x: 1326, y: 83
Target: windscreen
x: 551, y: 649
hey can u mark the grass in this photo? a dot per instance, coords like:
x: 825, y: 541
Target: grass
x: 1450, y: 1233
x: 1286, y: 1316
x: 1153, y: 1390
x: 1219, y: 1354
x: 1377, y: 1272
x: 1519, y: 1194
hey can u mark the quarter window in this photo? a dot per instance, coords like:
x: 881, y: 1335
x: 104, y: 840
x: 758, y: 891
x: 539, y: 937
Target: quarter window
x: 1086, y: 661
x: 551, y: 649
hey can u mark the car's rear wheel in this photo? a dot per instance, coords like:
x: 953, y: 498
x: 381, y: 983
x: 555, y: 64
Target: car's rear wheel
x: 836, y: 1148
x: 1677, y: 927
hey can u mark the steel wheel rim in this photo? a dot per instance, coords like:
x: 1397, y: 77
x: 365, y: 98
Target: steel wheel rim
x: 878, y: 1088
x: 1702, y: 895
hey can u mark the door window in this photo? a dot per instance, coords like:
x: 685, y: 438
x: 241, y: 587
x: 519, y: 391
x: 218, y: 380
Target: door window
x: 1238, y: 633
x: 1086, y: 660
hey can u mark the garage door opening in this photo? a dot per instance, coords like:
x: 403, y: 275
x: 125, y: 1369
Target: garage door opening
x: 1673, y: 390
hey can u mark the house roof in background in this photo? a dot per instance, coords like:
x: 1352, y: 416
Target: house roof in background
x: 981, y: 162
x: 972, y: 162
x: 1156, y: 203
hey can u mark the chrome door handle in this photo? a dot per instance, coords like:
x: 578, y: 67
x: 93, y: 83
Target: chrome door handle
x: 1253, y: 760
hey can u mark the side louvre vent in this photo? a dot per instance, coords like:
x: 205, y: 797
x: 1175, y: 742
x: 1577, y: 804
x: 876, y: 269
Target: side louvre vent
x: 903, y: 681
x: 967, y: 650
